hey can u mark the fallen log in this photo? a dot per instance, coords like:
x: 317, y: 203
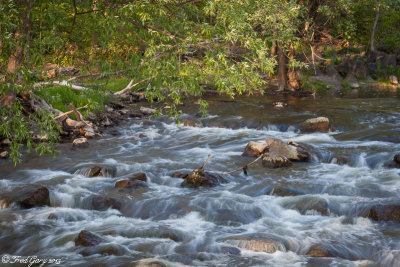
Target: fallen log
x: 69, y: 112
x: 62, y: 83
x: 128, y: 88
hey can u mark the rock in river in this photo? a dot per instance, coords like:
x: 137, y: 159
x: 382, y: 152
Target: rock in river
x: 385, y: 213
x: 122, y: 184
x: 261, y: 244
x: 37, y: 198
x: 96, y: 171
x: 80, y: 143
x: 87, y: 239
x: 291, y: 151
x: 254, y: 149
x: 103, y: 203
x: 320, y: 124
x: 318, y: 252
x: 199, y: 177
x: 273, y: 160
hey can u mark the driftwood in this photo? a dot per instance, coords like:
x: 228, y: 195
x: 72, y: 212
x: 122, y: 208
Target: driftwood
x: 244, y: 168
x: 62, y: 83
x: 128, y: 88
x: 69, y: 112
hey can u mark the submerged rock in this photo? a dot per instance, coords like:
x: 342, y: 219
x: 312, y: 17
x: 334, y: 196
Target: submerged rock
x: 268, y: 245
x: 87, y: 239
x: 291, y: 151
x: 139, y: 176
x: 340, y: 160
x: 201, y: 178
x: 385, y: 213
x: 180, y: 174
x: 103, y: 203
x: 273, y: 160
x: 125, y: 184
x: 320, y: 124
x: 308, y: 204
x: 283, y: 191
x: 254, y: 149
x: 318, y: 252
x: 39, y: 197
x: 395, y: 163
x: 97, y: 171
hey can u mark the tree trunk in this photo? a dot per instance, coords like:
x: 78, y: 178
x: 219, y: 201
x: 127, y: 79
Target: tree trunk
x: 273, y: 48
x: 22, y: 38
x: 372, y: 40
x: 282, y: 69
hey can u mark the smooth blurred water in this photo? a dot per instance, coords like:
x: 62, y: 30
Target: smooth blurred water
x: 190, y: 226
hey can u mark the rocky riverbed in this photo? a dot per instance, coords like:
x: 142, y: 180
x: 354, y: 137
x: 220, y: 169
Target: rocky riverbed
x: 322, y: 195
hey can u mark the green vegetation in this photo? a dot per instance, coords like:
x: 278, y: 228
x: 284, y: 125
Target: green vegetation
x: 184, y: 46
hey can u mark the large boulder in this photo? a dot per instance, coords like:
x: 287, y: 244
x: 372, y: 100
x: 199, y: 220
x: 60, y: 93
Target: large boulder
x: 87, y: 239
x: 291, y: 151
x: 37, y: 198
x: 385, y: 213
x: 273, y: 160
x: 320, y: 124
x: 199, y: 177
x: 254, y: 149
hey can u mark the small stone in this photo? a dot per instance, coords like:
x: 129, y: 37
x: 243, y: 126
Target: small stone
x: 136, y: 114
x: 254, y: 149
x: 283, y: 191
x: 87, y: 239
x: 4, y: 154
x: 80, y: 143
x: 394, y: 80
x: 4, y: 203
x: 147, y: 111
x: 6, y: 142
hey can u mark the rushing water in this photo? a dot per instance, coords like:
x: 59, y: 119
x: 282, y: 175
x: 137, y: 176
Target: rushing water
x: 191, y: 227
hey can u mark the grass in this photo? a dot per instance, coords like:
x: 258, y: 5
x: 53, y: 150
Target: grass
x: 60, y: 97
x: 317, y: 86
